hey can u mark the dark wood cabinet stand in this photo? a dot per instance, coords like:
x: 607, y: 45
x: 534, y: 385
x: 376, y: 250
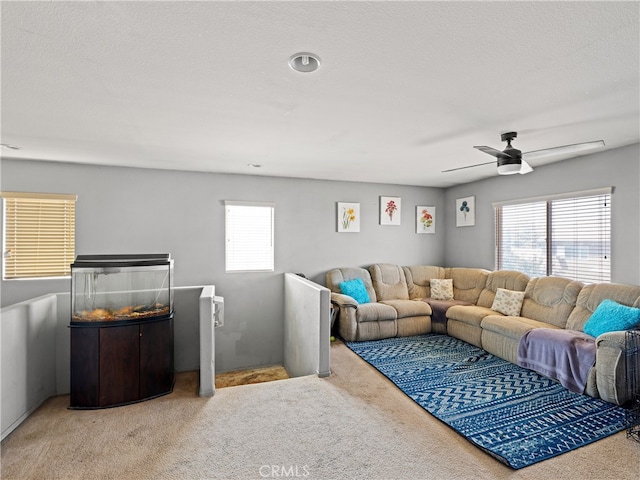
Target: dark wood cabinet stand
x: 117, y: 364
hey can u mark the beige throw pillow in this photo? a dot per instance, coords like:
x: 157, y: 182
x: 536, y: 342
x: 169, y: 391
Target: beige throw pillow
x: 508, y: 302
x: 441, y: 288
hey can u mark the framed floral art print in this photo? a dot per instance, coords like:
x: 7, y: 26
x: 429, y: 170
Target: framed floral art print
x: 466, y: 211
x: 390, y: 209
x: 425, y: 219
x: 348, y: 217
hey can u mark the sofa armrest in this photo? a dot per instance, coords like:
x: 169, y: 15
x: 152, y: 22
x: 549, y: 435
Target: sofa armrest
x: 343, y: 300
x: 611, y: 367
x: 612, y: 340
x: 347, y: 323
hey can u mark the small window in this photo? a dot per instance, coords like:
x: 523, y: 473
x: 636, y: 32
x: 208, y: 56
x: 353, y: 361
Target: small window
x: 249, y: 236
x: 39, y: 235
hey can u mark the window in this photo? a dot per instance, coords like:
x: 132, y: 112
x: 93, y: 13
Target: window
x: 249, y: 236
x: 39, y: 235
x: 563, y: 235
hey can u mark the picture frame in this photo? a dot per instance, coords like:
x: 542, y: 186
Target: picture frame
x: 348, y: 217
x: 425, y: 219
x: 390, y: 210
x: 466, y: 211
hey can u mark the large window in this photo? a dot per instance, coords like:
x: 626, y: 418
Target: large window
x: 562, y: 235
x: 39, y: 235
x: 249, y: 236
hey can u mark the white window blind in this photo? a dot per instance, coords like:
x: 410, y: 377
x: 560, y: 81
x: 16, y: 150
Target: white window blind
x: 249, y: 236
x: 523, y: 238
x: 39, y: 235
x: 581, y: 238
x: 566, y: 236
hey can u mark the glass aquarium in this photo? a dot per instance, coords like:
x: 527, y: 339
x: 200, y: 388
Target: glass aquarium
x: 121, y: 288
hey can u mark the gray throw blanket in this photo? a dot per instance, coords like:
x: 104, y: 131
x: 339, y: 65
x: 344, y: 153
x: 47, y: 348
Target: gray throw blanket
x: 564, y: 355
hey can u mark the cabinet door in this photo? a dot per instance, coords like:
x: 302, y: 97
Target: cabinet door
x: 84, y: 367
x: 119, y: 365
x: 156, y: 358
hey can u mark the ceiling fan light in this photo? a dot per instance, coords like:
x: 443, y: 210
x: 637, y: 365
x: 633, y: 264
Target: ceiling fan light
x: 508, y: 168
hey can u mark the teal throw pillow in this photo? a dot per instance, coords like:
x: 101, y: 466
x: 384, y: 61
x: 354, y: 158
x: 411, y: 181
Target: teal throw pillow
x: 355, y: 289
x: 611, y: 316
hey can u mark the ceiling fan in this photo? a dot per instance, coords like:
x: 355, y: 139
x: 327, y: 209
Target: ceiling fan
x: 511, y: 160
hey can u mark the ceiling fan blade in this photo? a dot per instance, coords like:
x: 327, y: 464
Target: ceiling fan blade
x: 492, y: 151
x: 563, y: 149
x: 525, y: 168
x: 468, y: 166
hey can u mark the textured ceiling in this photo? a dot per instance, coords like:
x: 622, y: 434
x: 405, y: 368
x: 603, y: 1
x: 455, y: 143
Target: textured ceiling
x: 404, y: 91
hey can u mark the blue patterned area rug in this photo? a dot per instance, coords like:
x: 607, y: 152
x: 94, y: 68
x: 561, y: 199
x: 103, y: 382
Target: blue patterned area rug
x: 516, y: 415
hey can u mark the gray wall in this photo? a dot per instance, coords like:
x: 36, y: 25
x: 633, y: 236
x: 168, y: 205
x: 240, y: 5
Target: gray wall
x: 619, y: 168
x: 124, y: 210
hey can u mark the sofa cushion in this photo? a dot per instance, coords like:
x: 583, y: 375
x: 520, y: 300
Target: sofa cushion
x: 611, y: 316
x: 469, y: 314
x: 508, y: 279
x: 375, y: 312
x: 508, y: 302
x: 409, y: 308
x: 355, y: 289
x: 510, y: 326
x: 468, y: 283
x: 419, y: 279
x: 550, y: 299
x: 389, y: 282
x: 441, y: 288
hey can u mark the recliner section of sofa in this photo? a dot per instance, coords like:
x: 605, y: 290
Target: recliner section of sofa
x: 401, y: 305
x: 611, y: 354
x: 464, y: 322
x: 390, y: 284
x: 360, y: 322
x: 548, y: 302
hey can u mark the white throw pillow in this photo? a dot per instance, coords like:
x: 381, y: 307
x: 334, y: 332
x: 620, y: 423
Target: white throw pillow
x: 441, y: 288
x: 508, y: 302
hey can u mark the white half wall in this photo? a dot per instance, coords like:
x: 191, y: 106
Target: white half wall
x: 307, y: 327
x: 207, y: 342
x: 35, y: 349
x: 28, y: 335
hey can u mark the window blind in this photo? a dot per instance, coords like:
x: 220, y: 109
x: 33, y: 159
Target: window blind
x: 562, y: 236
x: 581, y: 238
x: 39, y: 235
x: 523, y: 234
x: 249, y: 236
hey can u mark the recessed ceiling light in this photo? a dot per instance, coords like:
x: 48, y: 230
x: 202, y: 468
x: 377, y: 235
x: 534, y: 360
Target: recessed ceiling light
x: 10, y: 147
x: 254, y: 165
x: 304, y: 62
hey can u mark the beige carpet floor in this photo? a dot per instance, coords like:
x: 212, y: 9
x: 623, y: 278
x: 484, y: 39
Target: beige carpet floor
x: 352, y: 425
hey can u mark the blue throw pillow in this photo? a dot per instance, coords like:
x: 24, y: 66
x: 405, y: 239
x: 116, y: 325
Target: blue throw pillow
x: 611, y: 316
x: 355, y: 289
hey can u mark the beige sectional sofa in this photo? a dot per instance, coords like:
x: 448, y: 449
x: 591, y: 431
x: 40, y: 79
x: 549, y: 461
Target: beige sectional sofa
x: 401, y: 304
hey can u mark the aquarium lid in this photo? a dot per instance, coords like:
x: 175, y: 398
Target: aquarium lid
x: 123, y: 260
